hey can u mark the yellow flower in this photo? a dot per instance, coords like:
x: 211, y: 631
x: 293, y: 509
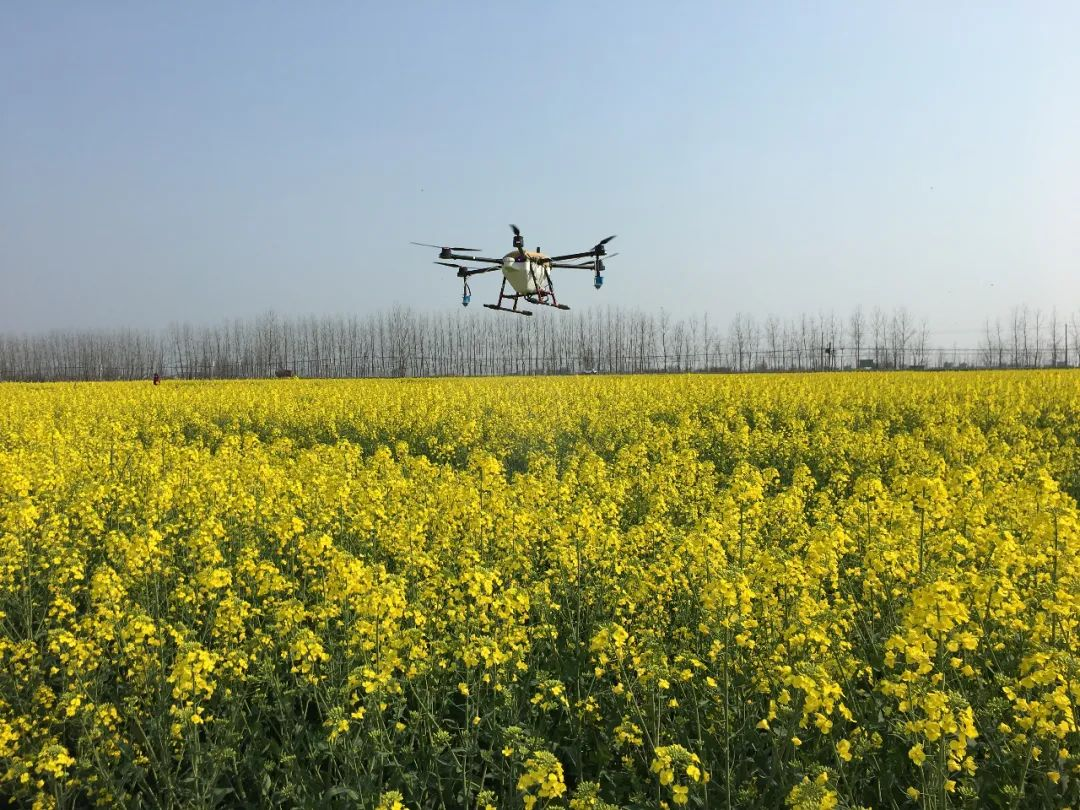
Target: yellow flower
x: 391, y: 800
x: 544, y: 773
x: 708, y: 542
x: 843, y: 749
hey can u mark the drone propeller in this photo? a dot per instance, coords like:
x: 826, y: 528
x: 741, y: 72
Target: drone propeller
x: 443, y: 247
x: 519, y: 241
x: 462, y: 271
x: 587, y: 265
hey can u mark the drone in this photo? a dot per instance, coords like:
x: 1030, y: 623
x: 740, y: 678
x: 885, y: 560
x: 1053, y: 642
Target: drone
x: 527, y: 271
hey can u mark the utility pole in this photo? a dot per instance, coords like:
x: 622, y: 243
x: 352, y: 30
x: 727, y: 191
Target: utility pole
x: 1066, y: 345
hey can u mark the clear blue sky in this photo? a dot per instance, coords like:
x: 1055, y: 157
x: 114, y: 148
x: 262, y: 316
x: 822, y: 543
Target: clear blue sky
x: 200, y: 161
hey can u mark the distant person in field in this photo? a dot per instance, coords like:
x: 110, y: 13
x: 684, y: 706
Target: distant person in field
x: 157, y: 378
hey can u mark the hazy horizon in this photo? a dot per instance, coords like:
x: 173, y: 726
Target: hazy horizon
x: 195, y: 164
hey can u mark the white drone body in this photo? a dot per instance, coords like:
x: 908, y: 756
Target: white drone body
x: 528, y: 275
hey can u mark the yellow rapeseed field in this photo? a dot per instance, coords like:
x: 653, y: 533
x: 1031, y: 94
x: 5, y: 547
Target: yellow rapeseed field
x: 805, y: 590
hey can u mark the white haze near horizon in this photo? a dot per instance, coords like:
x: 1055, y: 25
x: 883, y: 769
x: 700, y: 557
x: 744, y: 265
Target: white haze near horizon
x: 194, y: 163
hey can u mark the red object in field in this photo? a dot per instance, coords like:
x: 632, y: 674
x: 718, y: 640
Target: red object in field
x: 157, y: 379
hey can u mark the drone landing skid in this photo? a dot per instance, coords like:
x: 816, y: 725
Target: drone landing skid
x: 541, y: 302
x: 539, y: 298
x: 515, y: 311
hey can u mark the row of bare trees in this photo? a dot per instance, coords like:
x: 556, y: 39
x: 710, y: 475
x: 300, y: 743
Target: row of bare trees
x: 1030, y: 339
x: 402, y: 342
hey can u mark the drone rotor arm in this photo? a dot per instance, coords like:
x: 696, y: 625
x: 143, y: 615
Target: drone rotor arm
x: 597, y: 250
x: 482, y: 259
x: 465, y: 272
x: 567, y: 256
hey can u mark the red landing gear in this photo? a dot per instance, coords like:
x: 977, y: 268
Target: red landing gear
x: 542, y: 297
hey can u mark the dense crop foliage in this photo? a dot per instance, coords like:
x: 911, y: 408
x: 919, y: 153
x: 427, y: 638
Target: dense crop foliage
x: 820, y: 591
